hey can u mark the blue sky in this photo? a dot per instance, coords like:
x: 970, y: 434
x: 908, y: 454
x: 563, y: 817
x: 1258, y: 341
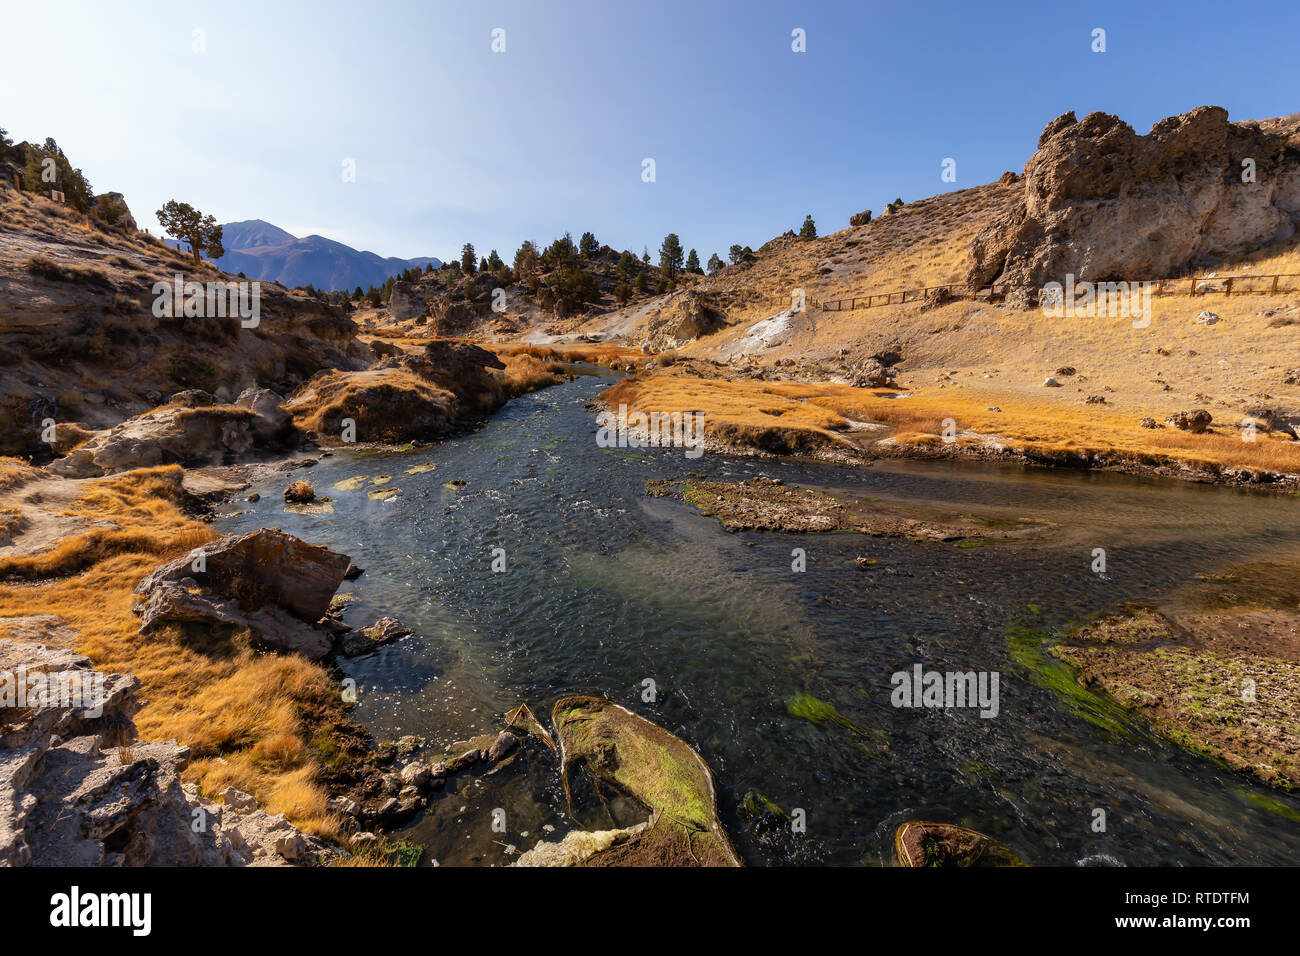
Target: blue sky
x: 453, y: 142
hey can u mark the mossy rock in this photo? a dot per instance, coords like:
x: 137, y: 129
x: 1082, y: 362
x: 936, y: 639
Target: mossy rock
x: 917, y: 843
x: 652, y: 767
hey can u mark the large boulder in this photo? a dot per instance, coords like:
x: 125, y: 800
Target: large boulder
x: 1195, y: 421
x: 1104, y: 203
x: 272, y: 583
x: 187, y: 431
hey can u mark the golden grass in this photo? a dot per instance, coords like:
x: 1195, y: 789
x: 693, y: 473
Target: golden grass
x: 14, y: 472
x: 1041, y: 423
x: 370, y: 398
x: 527, y: 373
x: 249, y: 717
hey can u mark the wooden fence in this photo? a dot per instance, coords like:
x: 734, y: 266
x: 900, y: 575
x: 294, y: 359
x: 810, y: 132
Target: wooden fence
x: 1190, y: 285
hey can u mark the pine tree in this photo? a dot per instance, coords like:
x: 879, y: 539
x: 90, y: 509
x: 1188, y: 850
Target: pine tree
x: 670, y: 255
x: 734, y: 253
x: 809, y: 228
x: 468, y: 259
x: 693, y: 263
x: 587, y: 245
x: 715, y: 263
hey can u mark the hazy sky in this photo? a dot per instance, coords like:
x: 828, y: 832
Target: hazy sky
x: 453, y: 142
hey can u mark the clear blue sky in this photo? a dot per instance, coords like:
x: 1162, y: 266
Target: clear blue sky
x: 453, y: 142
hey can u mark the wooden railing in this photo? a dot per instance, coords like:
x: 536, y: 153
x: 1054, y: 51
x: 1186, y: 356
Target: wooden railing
x: 1195, y: 285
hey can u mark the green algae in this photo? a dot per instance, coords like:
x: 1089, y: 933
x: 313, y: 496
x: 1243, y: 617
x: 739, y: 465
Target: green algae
x: 1274, y: 805
x: 653, y: 767
x: 1029, y: 651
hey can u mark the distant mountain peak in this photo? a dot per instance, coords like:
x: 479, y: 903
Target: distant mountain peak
x: 262, y: 250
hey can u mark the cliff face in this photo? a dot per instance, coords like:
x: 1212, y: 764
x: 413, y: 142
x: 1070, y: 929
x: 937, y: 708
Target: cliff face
x: 1105, y: 203
x: 80, y: 343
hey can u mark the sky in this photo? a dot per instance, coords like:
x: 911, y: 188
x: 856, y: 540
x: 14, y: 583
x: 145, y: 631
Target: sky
x: 256, y: 115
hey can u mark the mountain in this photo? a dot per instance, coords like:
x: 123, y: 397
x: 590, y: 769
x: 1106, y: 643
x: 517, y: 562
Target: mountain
x: 262, y: 251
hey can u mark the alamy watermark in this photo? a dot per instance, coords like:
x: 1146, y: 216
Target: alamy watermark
x: 79, y: 690
x: 209, y: 300
x: 947, y: 689
x: 624, y: 429
x: 1129, y: 300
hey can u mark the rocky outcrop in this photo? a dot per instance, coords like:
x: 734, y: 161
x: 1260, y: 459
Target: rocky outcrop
x: 693, y: 315
x: 78, y: 789
x: 406, y: 302
x: 407, y: 397
x: 1102, y: 202
x: 112, y: 209
x: 191, y: 430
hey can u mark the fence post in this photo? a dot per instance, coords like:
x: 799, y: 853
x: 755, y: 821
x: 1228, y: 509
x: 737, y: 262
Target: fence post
x: 1273, y: 291
x: 1227, y: 287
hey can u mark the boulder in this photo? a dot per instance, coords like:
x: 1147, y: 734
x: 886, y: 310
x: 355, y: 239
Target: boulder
x: 384, y: 631
x: 871, y: 374
x: 270, y: 582
x: 1050, y: 382
x: 1206, y: 318
x: 1195, y: 421
x: 300, y: 492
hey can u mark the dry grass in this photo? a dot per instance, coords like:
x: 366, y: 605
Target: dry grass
x: 247, y: 716
x: 527, y: 373
x: 1041, y: 422
x: 14, y: 472
x: 375, y: 399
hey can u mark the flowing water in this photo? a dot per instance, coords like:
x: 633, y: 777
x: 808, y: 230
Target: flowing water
x: 606, y: 588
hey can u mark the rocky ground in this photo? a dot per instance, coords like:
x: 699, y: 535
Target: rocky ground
x: 78, y: 788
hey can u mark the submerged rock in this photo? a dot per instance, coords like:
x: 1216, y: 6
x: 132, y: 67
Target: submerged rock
x: 947, y: 845
x: 659, y: 771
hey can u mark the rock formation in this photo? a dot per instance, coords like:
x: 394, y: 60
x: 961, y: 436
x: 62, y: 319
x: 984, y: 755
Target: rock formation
x: 191, y: 430
x: 405, y: 397
x: 1104, y: 203
x: 78, y: 789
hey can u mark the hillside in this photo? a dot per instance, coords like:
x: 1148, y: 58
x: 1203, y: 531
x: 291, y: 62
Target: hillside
x: 260, y: 250
x: 76, y: 313
x: 981, y: 360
